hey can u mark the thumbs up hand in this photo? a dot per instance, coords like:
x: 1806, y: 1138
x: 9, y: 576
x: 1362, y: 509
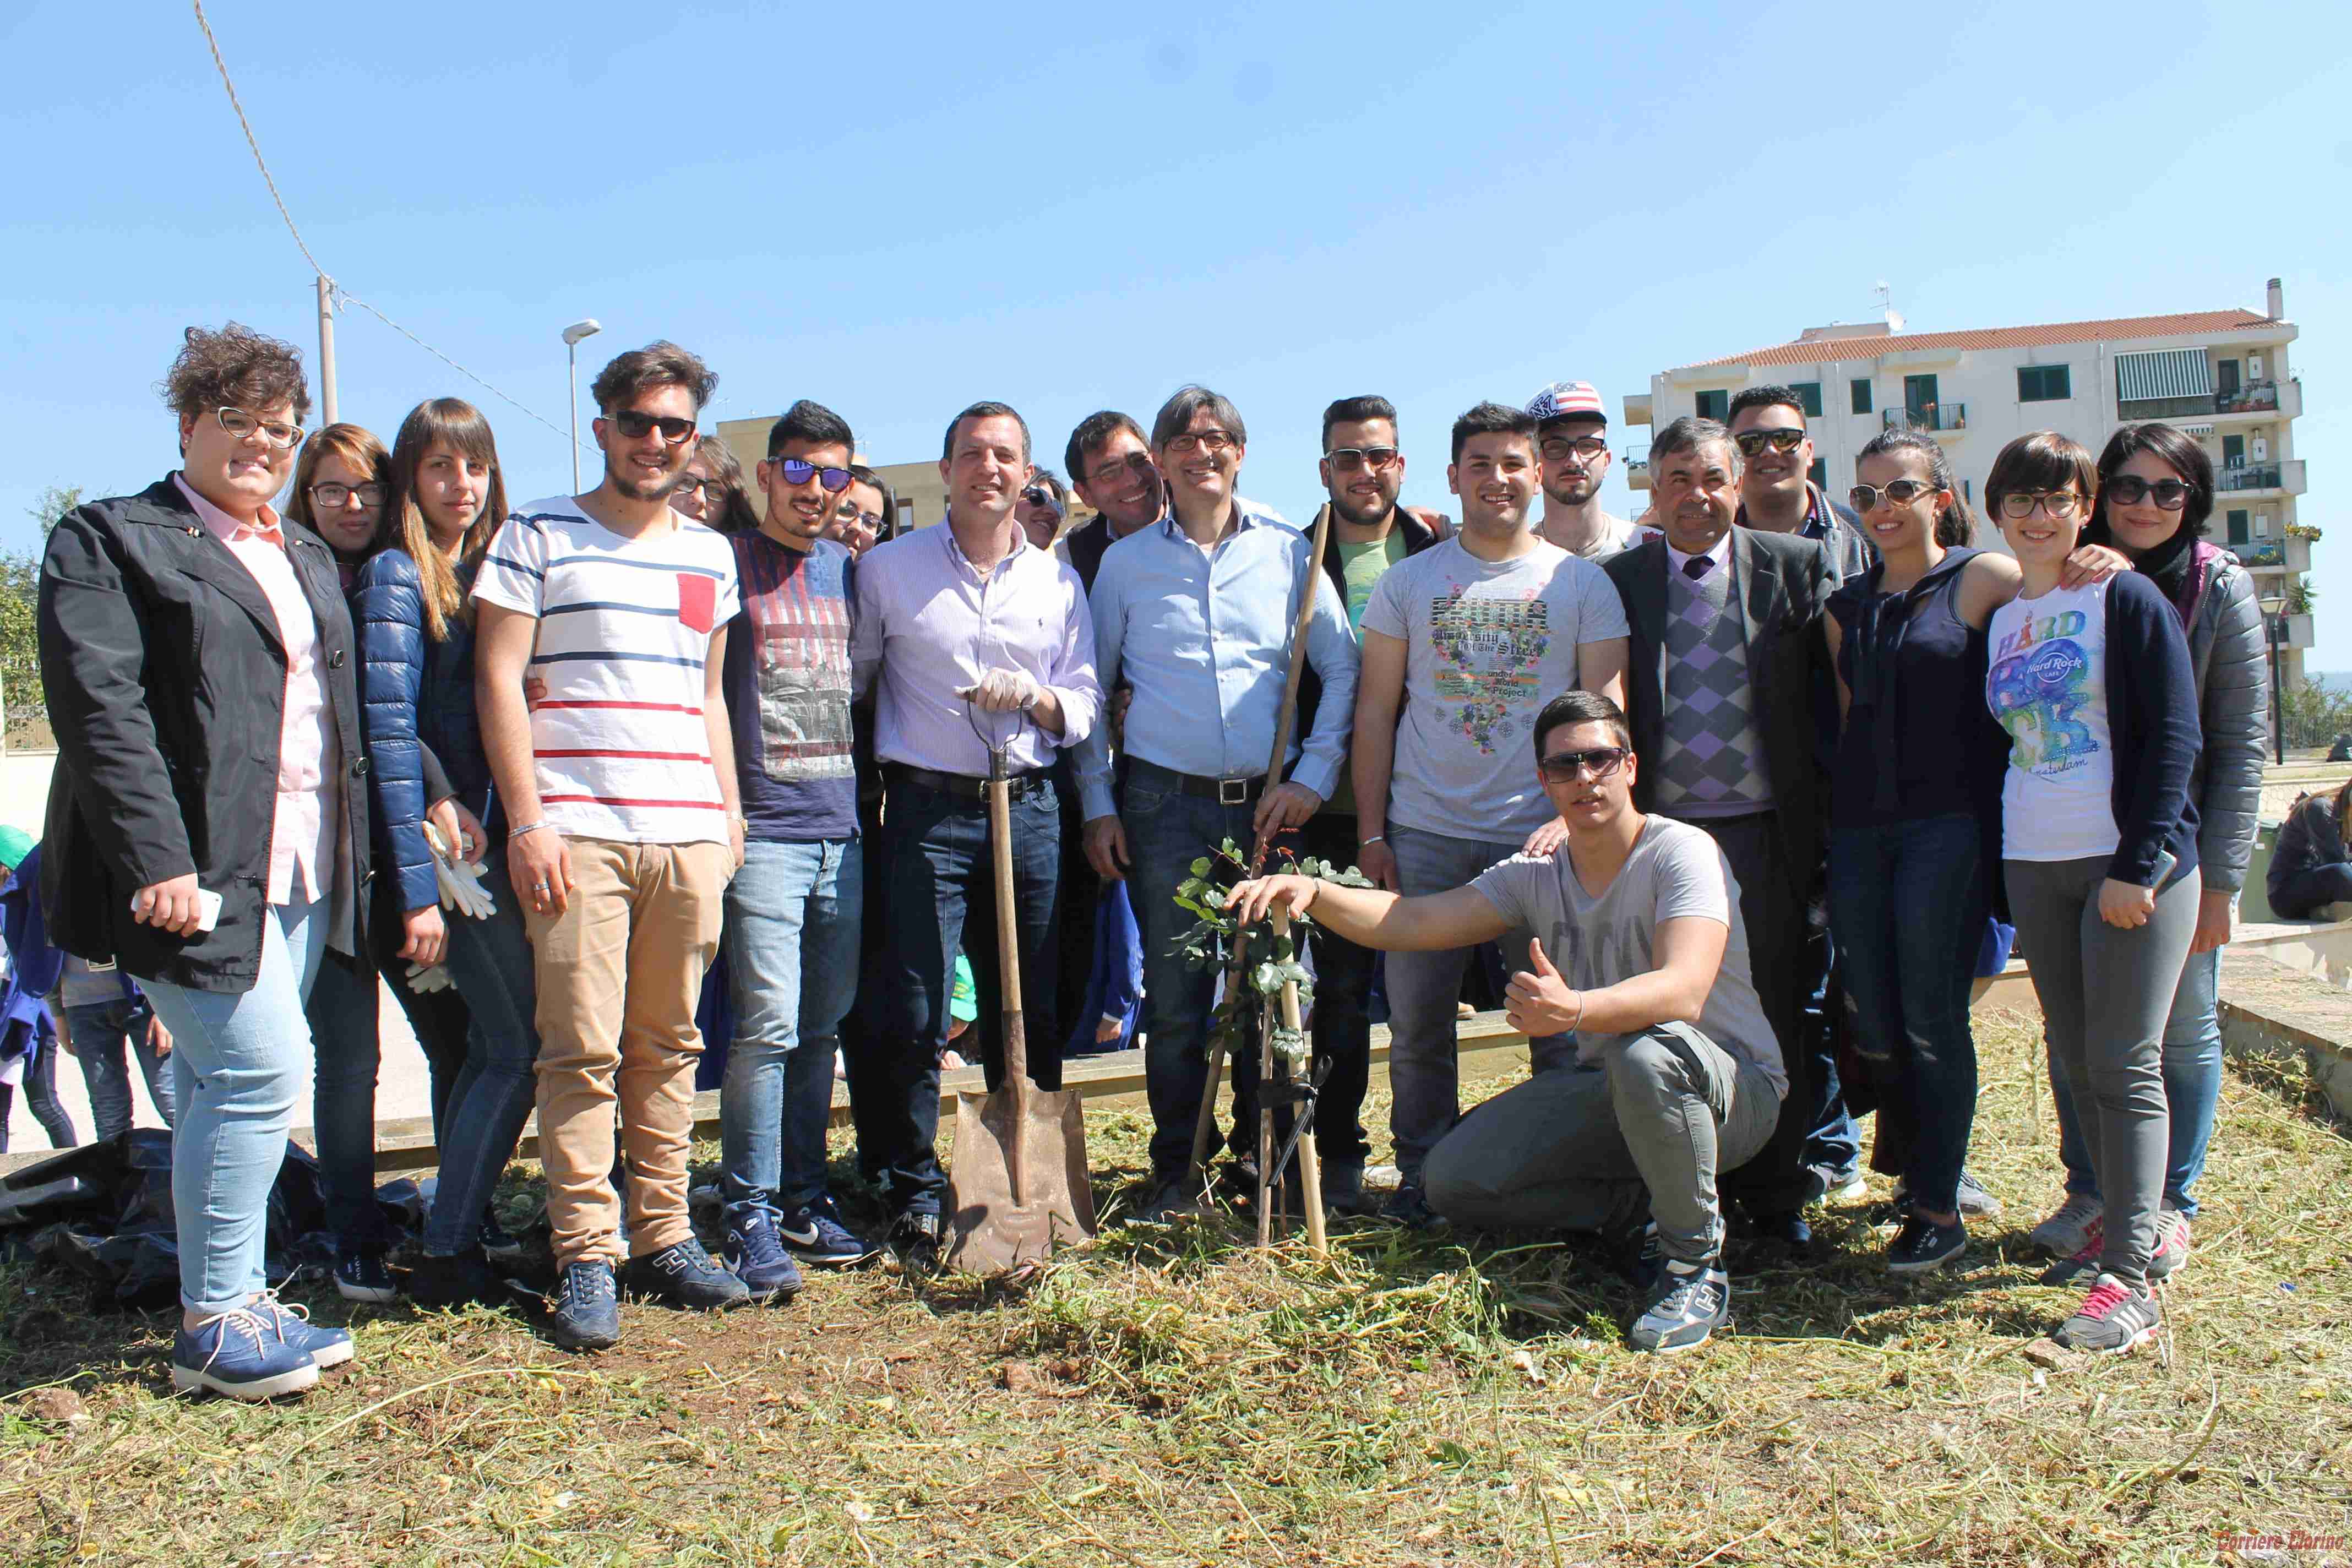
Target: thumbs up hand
x: 1539, y: 1002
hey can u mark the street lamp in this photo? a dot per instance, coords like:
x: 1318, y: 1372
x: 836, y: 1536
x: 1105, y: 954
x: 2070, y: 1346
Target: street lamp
x: 2274, y: 633
x: 571, y: 336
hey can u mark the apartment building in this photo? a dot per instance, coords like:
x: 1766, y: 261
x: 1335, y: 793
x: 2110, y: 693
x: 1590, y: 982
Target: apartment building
x: 2223, y: 376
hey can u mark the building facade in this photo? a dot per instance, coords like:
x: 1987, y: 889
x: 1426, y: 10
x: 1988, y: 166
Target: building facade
x: 2223, y: 376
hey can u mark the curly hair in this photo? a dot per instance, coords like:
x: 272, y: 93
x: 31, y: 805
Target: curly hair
x: 235, y: 367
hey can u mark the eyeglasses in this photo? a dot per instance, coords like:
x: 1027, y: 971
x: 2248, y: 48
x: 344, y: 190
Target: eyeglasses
x: 1566, y: 767
x: 1583, y: 448
x: 1137, y: 463
x: 871, y: 520
x: 1347, y: 459
x: 1898, y: 493
x: 798, y: 471
x: 1193, y: 441
x: 1751, y: 442
x: 691, y: 484
x: 2130, y: 489
x: 334, y: 497
x: 241, y: 425
x: 2059, y: 504
x: 636, y: 426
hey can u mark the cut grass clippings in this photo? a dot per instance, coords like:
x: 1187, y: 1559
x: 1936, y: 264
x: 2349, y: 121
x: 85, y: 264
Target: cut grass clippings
x: 1172, y: 1398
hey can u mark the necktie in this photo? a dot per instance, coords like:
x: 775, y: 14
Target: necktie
x: 1698, y: 566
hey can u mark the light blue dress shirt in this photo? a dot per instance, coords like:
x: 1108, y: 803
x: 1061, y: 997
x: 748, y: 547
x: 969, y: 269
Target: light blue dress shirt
x: 1203, y: 636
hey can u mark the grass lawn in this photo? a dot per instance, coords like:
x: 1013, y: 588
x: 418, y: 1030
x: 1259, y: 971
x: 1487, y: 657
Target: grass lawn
x: 1177, y: 1400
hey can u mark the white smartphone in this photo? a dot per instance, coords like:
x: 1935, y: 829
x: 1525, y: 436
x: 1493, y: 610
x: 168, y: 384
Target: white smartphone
x: 207, y: 908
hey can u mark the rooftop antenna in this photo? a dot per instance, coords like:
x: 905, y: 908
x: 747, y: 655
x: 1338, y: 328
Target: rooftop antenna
x: 1894, y: 317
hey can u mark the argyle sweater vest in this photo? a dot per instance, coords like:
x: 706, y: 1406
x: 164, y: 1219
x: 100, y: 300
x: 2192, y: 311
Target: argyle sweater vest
x: 1714, y: 761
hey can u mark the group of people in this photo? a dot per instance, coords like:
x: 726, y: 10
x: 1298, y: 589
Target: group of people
x: 1710, y: 785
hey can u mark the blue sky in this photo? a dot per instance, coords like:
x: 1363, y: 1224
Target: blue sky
x: 898, y: 210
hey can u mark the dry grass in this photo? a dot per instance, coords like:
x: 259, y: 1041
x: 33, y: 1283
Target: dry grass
x: 1174, y: 1401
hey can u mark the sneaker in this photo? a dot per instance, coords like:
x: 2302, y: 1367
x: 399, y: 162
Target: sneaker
x: 588, y: 1308
x: 683, y: 1275
x: 2171, y: 1244
x: 1409, y: 1207
x: 498, y: 1244
x: 1641, y: 1255
x: 458, y: 1282
x: 2171, y: 1252
x: 1688, y: 1302
x: 816, y: 1234
x: 293, y: 1325
x: 1922, y: 1246
x: 914, y: 1242
x: 1172, y: 1199
x: 754, y: 1256
x: 1839, y: 1184
x: 240, y: 1353
x: 2114, y: 1319
x: 363, y: 1277
x: 1343, y: 1189
x: 2065, y: 1233
x: 1974, y: 1201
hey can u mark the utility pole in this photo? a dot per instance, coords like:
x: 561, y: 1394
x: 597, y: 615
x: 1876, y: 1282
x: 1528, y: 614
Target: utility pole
x: 326, y: 349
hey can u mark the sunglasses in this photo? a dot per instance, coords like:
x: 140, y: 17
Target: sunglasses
x: 1038, y: 495
x: 1583, y: 449
x: 635, y: 426
x: 1347, y: 459
x: 334, y: 497
x: 798, y: 471
x: 1751, y: 442
x: 240, y: 425
x: 1898, y: 493
x: 2130, y: 489
x: 1566, y: 767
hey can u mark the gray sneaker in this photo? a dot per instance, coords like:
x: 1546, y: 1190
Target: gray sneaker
x: 1688, y: 1302
x: 2066, y: 1232
x: 2114, y: 1319
x: 1974, y: 1202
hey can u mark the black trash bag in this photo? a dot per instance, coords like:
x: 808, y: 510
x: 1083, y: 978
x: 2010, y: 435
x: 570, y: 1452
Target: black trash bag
x: 402, y: 1203
x: 138, y: 1272
x: 146, y: 1186
x: 72, y: 1184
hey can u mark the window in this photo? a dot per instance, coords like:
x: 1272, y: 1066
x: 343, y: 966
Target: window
x: 2239, y: 533
x: 2044, y: 382
x: 1809, y: 392
x: 1860, y: 387
x: 2234, y: 451
x: 1715, y: 405
x: 1819, y: 472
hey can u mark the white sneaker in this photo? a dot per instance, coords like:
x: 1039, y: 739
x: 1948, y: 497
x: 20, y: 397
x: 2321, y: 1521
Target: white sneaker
x: 2068, y: 1231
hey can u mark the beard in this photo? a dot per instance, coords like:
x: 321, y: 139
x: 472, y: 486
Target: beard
x: 1566, y: 492
x: 1349, y: 512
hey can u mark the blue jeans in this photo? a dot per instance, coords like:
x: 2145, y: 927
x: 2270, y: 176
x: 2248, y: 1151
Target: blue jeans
x: 490, y: 1095
x: 2192, y: 1089
x: 105, y: 1035
x: 239, y: 1059
x: 936, y: 878
x: 1908, y: 900
x: 794, y: 912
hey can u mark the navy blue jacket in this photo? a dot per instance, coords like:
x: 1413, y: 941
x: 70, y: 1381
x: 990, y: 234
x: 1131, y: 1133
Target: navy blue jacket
x: 414, y: 694
x: 2152, y: 721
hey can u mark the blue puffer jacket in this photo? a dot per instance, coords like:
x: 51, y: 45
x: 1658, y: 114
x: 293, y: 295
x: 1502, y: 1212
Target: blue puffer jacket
x: 412, y: 688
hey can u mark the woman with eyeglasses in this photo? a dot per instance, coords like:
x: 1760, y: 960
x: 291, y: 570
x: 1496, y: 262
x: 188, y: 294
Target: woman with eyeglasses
x: 868, y: 515
x: 2099, y: 849
x: 712, y: 491
x: 340, y: 483
x: 1916, y: 786
x: 2155, y: 492
x: 206, y: 824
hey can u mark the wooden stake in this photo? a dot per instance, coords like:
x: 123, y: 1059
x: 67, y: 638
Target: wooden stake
x: 1310, y: 1164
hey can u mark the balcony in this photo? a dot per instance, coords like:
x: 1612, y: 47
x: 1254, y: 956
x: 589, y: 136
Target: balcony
x: 1637, y: 465
x: 2274, y: 554
x: 2261, y: 402
x: 2290, y: 631
x: 1637, y: 408
x: 1942, y: 418
x: 2278, y: 477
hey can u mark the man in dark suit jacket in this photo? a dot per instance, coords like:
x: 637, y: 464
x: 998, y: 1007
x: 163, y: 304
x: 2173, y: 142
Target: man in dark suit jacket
x: 1722, y: 679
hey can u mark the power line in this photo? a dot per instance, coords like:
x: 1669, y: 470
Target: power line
x: 261, y: 163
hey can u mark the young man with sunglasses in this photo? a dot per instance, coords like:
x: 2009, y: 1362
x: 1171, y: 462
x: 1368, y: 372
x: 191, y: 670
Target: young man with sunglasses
x: 602, y: 638
x: 795, y: 909
x: 1777, y: 493
x: 1641, y: 957
x: 1196, y: 612
x: 1572, y: 438
x: 1459, y: 645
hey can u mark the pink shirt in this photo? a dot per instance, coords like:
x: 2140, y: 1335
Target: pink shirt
x: 301, y: 839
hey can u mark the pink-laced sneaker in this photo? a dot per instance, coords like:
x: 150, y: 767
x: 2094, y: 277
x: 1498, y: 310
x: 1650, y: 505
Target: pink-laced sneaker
x: 2114, y: 1320
x: 2171, y: 1252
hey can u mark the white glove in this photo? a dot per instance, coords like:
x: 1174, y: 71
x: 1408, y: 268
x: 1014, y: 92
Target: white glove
x: 460, y: 880
x: 424, y: 980
x: 1001, y: 690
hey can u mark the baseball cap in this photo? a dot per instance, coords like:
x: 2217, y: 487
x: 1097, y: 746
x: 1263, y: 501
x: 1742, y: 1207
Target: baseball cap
x: 14, y: 845
x: 1569, y: 400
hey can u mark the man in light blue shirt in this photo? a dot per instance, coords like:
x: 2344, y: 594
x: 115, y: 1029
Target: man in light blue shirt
x: 1195, y: 613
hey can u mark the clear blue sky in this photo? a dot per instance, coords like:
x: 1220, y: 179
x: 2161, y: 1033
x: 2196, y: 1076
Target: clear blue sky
x: 898, y: 210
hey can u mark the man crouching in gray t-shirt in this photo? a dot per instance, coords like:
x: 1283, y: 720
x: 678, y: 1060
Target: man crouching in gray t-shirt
x: 1641, y: 953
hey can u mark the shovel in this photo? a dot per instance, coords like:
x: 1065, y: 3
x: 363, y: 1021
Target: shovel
x: 1018, y: 1186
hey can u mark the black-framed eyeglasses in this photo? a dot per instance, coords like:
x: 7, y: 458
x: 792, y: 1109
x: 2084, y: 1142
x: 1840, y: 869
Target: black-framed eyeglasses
x: 692, y: 484
x: 635, y: 426
x: 2130, y: 489
x: 333, y: 497
x: 2060, y: 504
x: 1895, y: 492
x: 240, y: 425
x: 1137, y: 463
x: 1751, y: 442
x: 1583, y: 449
x: 1347, y: 459
x: 1567, y: 767
x: 799, y: 471
x: 1190, y: 441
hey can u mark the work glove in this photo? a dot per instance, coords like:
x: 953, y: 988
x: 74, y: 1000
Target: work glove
x: 426, y: 979
x: 460, y: 880
x: 1001, y: 690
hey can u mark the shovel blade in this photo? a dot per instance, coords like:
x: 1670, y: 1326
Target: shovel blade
x: 992, y: 1228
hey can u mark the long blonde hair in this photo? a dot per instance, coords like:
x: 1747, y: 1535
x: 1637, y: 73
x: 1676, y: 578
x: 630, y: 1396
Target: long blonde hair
x: 458, y: 423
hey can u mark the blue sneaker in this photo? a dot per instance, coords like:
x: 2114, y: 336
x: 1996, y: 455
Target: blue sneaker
x: 238, y: 1352
x: 1688, y: 1301
x: 587, y: 1315
x: 755, y: 1256
x: 816, y: 1234
x: 327, y: 1347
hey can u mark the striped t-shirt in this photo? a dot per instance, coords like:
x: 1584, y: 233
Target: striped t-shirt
x: 615, y: 680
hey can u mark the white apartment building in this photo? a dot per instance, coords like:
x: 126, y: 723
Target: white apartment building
x: 2223, y: 376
